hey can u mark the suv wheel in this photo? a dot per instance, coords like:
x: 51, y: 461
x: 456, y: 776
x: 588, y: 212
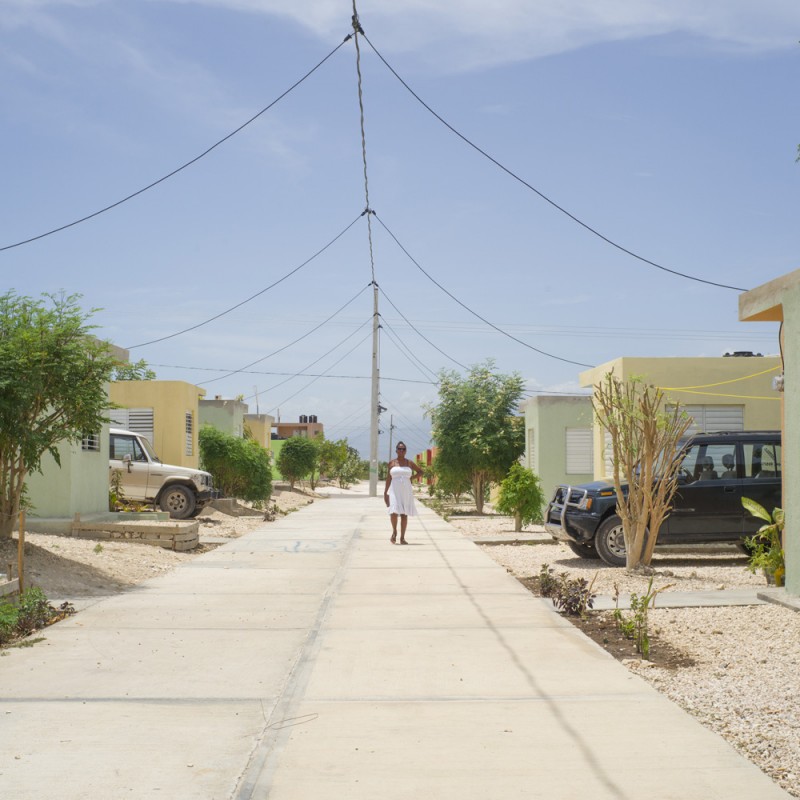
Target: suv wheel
x: 609, y: 541
x: 179, y: 501
x: 582, y: 550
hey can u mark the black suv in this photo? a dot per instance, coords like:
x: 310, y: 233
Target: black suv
x: 717, y: 471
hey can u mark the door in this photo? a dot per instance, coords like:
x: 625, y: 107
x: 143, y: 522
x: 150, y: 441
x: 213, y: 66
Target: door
x: 127, y: 456
x: 708, y: 503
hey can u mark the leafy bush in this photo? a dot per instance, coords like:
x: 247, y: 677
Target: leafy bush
x: 521, y: 496
x: 298, y: 458
x: 240, y: 467
x: 30, y: 612
x: 572, y: 596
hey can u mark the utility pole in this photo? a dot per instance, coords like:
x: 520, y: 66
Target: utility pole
x: 373, y: 426
x: 391, y: 431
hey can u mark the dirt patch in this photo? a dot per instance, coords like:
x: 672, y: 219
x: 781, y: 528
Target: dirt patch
x: 602, y: 628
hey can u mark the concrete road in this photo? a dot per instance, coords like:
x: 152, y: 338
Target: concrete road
x: 312, y: 659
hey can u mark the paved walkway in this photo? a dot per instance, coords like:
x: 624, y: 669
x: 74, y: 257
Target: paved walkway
x: 311, y: 659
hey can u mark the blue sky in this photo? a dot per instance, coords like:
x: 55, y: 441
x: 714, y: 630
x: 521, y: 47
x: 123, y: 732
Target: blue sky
x: 670, y: 128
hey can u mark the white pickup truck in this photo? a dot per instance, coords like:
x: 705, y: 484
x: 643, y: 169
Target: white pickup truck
x: 182, y: 491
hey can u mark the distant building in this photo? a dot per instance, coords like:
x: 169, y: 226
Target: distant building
x: 307, y: 426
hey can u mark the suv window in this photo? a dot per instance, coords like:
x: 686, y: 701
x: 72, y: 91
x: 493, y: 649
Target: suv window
x: 710, y: 462
x: 126, y: 446
x: 762, y: 460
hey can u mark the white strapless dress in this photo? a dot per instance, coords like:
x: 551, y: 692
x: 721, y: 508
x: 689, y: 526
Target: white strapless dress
x: 401, y: 493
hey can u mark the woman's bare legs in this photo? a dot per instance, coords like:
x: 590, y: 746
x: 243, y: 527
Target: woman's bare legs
x: 403, y: 523
x: 393, y: 518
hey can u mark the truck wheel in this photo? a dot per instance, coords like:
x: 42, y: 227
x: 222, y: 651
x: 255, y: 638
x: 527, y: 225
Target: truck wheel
x: 582, y: 550
x: 179, y: 501
x: 609, y: 541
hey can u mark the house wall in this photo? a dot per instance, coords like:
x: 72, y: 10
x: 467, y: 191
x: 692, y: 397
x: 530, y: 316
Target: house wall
x: 79, y: 486
x: 309, y: 429
x: 170, y: 401
x: 260, y: 427
x: 224, y: 415
x: 677, y: 376
x: 547, y: 420
x: 779, y: 301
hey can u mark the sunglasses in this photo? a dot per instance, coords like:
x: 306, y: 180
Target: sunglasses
x: 401, y: 448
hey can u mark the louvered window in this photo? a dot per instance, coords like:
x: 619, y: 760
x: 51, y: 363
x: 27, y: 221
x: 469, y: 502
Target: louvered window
x: 138, y: 420
x: 579, y: 451
x: 532, y: 450
x: 189, y: 432
x: 710, y: 419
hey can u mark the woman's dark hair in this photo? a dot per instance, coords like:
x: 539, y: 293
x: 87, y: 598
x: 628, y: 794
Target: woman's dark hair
x: 398, y: 445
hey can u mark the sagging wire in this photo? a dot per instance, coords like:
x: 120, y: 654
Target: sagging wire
x: 184, y: 166
x: 475, y: 313
x: 253, y: 296
x: 287, y: 346
x: 537, y: 191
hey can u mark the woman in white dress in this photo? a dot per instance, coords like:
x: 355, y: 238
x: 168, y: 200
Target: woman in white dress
x: 399, y: 494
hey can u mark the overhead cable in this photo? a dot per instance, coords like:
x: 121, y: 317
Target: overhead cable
x: 287, y: 346
x: 252, y: 296
x: 314, y: 380
x: 475, y: 313
x: 407, y: 352
x: 457, y: 363
x: 539, y: 193
x: 184, y: 166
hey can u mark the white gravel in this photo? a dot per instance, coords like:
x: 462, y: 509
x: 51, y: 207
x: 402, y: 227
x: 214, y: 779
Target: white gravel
x: 743, y: 683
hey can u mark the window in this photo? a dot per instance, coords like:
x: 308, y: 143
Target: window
x: 710, y: 462
x: 762, y: 460
x: 189, y: 429
x: 531, y: 454
x: 138, y: 420
x: 122, y: 446
x: 710, y: 419
x: 91, y: 442
x: 579, y: 451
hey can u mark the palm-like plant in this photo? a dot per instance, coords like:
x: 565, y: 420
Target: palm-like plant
x: 766, y: 544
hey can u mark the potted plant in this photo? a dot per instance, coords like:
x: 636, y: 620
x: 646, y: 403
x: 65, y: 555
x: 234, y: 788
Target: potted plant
x: 766, y: 544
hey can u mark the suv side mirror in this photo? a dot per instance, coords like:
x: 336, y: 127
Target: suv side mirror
x: 126, y: 459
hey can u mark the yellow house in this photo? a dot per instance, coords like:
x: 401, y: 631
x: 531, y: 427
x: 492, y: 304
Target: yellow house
x: 728, y: 393
x: 166, y: 412
x: 259, y: 426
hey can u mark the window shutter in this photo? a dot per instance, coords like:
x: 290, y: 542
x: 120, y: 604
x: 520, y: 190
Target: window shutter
x: 579, y: 451
x: 138, y: 420
x: 189, y: 430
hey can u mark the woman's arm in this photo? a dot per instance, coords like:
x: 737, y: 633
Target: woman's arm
x: 417, y: 470
x: 388, y: 482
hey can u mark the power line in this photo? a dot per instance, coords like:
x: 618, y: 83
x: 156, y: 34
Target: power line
x: 358, y: 344
x: 184, y: 166
x: 407, y: 352
x: 287, y: 346
x: 253, y: 296
x: 475, y: 313
x: 536, y: 191
x: 457, y: 363
x: 315, y: 361
x: 293, y: 374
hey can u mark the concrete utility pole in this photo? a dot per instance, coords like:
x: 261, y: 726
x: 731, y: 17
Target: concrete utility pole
x: 373, y: 425
x: 391, y: 431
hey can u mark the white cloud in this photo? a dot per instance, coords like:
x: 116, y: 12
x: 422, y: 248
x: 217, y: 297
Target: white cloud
x: 464, y: 34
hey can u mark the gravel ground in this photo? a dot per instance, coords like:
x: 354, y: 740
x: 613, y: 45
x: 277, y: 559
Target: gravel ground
x: 742, y: 682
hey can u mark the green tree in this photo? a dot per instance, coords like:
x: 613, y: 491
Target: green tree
x: 352, y: 469
x: 644, y: 442
x: 240, y: 467
x: 136, y: 371
x: 53, y: 377
x: 521, y: 496
x: 475, y: 425
x: 298, y: 457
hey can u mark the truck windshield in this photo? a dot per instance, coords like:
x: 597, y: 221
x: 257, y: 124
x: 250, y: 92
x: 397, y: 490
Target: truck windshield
x: 149, y: 450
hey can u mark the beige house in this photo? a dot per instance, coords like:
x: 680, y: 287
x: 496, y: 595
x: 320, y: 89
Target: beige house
x: 259, y: 427
x: 728, y: 393
x: 306, y: 426
x: 779, y: 301
x: 166, y: 412
x: 226, y: 415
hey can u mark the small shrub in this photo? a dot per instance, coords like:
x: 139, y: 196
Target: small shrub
x: 637, y: 627
x: 571, y: 596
